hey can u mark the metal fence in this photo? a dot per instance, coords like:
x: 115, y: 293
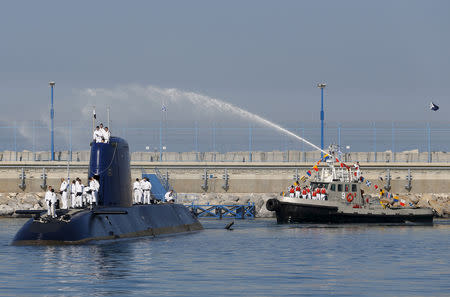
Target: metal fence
x: 176, y: 136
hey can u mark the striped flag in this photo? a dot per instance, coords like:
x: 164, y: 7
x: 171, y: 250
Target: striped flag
x: 303, y: 178
x: 402, y: 202
x: 368, y: 183
x: 308, y: 173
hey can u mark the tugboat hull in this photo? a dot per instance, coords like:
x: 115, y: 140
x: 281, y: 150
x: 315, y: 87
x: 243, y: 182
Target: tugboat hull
x: 294, y: 210
x: 83, y: 226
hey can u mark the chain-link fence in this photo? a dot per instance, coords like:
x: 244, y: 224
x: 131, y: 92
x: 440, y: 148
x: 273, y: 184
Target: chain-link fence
x: 161, y: 138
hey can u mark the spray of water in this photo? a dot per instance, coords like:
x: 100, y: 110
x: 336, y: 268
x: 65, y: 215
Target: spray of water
x: 157, y: 94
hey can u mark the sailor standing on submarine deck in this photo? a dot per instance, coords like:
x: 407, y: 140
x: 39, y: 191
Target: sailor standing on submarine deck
x: 137, y: 191
x: 63, y: 191
x: 48, y: 199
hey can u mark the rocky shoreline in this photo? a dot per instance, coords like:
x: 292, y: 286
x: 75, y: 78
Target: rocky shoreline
x: 439, y: 202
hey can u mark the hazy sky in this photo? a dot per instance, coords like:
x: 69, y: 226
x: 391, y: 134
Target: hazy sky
x: 381, y: 60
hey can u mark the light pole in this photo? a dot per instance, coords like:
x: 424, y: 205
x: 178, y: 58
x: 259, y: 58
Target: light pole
x: 52, y: 116
x: 321, y: 86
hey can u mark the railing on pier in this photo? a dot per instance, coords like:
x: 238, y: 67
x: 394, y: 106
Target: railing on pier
x: 246, y: 211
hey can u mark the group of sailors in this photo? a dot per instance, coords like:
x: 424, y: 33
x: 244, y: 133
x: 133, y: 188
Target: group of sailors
x: 101, y: 135
x: 141, y: 190
x: 81, y: 196
x: 319, y: 193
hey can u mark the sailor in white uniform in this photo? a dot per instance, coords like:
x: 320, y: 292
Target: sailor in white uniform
x: 48, y: 199
x: 98, y: 135
x: 106, y: 135
x: 63, y: 191
x: 73, y: 192
x: 137, y: 191
x: 146, y: 187
x: 94, y: 185
x: 169, y: 197
x: 79, y: 193
x: 53, y: 201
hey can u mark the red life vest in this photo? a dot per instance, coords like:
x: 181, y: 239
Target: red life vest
x: 291, y: 190
x: 297, y: 189
x: 307, y: 190
x: 304, y: 192
x: 324, y: 191
x: 314, y: 194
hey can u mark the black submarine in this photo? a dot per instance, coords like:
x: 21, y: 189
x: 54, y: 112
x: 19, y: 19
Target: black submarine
x: 115, y: 216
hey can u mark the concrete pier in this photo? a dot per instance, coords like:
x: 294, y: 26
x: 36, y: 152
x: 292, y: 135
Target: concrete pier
x: 243, y: 177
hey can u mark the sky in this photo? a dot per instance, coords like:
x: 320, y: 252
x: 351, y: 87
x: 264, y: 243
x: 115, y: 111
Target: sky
x: 381, y: 60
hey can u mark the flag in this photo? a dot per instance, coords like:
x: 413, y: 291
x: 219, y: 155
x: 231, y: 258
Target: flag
x: 163, y: 108
x: 433, y: 106
x: 342, y: 165
x: 402, y: 202
x: 395, y: 198
x: 316, y: 168
x: 389, y: 195
x: 303, y: 178
x: 368, y: 183
x: 308, y: 173
x: 361, y: 179
x: 94, y: 114
x: 376, y: 187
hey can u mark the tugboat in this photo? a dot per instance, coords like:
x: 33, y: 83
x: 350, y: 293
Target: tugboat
x: 343, y: 202
x: 114, y: 217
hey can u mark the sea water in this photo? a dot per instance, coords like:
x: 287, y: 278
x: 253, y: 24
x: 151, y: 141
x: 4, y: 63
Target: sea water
x: 257, y: 258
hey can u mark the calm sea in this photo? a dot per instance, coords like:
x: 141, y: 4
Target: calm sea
x: 257, y: 258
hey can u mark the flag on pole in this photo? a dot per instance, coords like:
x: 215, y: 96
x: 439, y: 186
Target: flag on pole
x: 163, y: 108
x: 94, y: 114
x: 308, y: 173
x: 402, y: 202
x: 303, y: 178
x: 316, y: 168
x: 368, y: 183
x: 376, y: 187
x: 433, y: 106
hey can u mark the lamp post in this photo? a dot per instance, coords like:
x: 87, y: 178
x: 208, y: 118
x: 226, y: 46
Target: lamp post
x: 52, y: 116
x: 321, y: 86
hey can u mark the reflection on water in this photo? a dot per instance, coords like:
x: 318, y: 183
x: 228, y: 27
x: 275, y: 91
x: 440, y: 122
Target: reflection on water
x: 257, y: 258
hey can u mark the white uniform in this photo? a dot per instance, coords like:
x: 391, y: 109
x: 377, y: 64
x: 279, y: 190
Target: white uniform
x: 357, y: 170
x: 87, y: 197
x: 63, y: 190
x: 137, y: 192
x: 98, y: 135
x: 168, y: 197
x: 143, y: 189
x: 48, y: 201
x: 106, y: 136
x: 53, y: 200
x: 79, y: 191
x: 94, y: 186
x: 146, y: 189
x: 73, y: 192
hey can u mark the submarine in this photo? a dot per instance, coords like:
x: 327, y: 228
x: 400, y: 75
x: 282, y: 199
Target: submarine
x: 115, y: 216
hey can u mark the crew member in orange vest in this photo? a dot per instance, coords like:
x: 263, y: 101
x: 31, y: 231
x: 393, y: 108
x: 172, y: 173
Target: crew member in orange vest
x: 314, y: 197
x: 292, y: 192
x: 297, y: 191
x: 324, y: 194
x: 304, y: 193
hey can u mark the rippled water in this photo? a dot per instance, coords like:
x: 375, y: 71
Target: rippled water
x: 257, y: 258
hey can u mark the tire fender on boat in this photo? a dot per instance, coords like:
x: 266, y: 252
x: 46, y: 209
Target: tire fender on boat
x: 350, y: 197
x: 272, y: 204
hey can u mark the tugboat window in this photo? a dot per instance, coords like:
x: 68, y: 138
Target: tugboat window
x: 353, y: 188
x: 333, y: 187
x: 339, y: 188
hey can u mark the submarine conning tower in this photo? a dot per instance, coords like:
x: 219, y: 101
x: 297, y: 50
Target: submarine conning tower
x: 111, y: 163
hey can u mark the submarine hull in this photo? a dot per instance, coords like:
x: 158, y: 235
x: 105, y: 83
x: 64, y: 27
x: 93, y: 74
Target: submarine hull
x: 106, y: 223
